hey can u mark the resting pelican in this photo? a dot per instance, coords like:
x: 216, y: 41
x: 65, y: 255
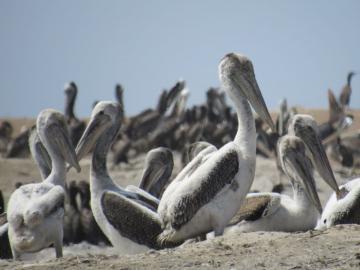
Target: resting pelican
x: 345, y: 210
x: 279, y: 212
x: 123, y: 215
x: 207, y: 193
x: 305, y: 127
x: 159, y: 164
x: 35, y: 211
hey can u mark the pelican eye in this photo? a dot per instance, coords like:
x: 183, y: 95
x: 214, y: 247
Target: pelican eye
x: 325, y: 221
x: 101, y: 112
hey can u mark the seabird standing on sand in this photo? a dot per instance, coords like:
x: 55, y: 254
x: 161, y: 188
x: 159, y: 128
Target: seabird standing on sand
x: 128, y: 219
x: 35, y: 211
x: 207, y: 193
x: 278, y: 212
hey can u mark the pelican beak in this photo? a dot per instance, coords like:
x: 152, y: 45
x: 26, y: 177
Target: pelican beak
x: 93, y: 131
x: 40, y: 149
x: 257, y: 101
x: 61, y: 138
x: 253, y: 94
x: 302, y: 167
x: 152, y: 176
x: 159, y: 166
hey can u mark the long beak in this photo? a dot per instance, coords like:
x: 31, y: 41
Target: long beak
x: 303, y: 174
x: 93, y: 131
x: 44, y: 156
x: 320, y: 159
x: 152, y: 178
x: 61, y: 139
x: 256, y: 99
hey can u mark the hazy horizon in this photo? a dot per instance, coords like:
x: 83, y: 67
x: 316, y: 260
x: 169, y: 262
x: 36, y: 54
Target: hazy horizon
x: 299, y: 50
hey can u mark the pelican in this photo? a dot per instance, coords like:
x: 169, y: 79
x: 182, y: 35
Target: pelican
x: 345, y: 94
x: 35, y: 211
x: 76, y: 127
x: 279, y: 212
x: 343, y: 211
x: 305, y: 127
x: 159, y: 164
x: 207, y: 193
x: 127, y: 218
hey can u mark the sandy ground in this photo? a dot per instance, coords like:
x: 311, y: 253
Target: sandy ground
x: 338, y: 248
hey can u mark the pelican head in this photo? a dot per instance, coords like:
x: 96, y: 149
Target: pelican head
x: 195, y: 148
x: 105, y: 115
x: 159, y: 166
x: 349, y: 77
x: 305, y: 127
x: 70, y: 89
x: 237, y: 73
x: 52, y: 130
x: 298, y: 167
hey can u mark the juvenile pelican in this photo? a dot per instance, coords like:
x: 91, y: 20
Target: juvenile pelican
x: 345, y: 210
x: 305, y: 127
x: 279, y: 212
x: 124, y: 216
x: 35, y: 211
x: 207, y: 193
x: 159, y: 164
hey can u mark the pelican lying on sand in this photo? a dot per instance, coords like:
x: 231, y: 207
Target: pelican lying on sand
x: 279, y: 212
x: 159, y: 164
x: 345, y: 210
x: 35, y: 211
x: 207, y: 193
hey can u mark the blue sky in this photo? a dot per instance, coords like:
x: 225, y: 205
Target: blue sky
x: 299, y: 49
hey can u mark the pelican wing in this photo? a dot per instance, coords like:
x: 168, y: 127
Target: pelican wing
x: 210, y: 184
x: 256, y: 206
x: 143, y: 197
x: 131, y: 219
x: 349, y: 213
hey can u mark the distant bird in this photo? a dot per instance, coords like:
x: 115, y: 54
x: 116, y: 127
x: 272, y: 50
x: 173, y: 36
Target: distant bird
x: 76, y: 126
x: 119, y: 94
x: 89, y: 228
x: 35, y: 211
x: 18, y: 147
x: 127, y: 218
x: 338, y: 120
x: 72, y: 225
x: 279, y: 212
x: 345, y: 94
x: 6, y: 131
x: 210, y: 189
x: 344, y: 210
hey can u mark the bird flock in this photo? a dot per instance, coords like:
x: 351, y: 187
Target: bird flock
x: 210, y: 196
